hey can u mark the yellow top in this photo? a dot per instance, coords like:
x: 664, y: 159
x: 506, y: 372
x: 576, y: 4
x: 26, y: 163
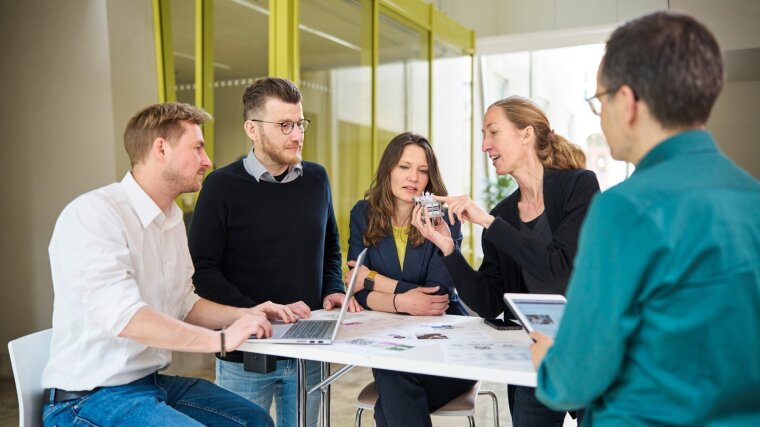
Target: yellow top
x: 400, y: 235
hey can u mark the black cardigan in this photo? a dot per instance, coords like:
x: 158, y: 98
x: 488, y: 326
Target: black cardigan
x: 506, y: 250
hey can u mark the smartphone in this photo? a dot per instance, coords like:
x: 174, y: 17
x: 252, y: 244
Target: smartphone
x: 503, y: 325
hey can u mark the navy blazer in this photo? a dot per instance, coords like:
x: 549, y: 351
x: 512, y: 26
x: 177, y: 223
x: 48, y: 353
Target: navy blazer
x: 423, y: 265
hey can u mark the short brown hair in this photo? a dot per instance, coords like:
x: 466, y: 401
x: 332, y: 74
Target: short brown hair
x: 554, y: 151
x: 158, y: 121
x: 672, y: 62
x: 257, y: 94
x: 380, y: 198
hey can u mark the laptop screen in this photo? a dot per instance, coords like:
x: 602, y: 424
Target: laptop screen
x: 350, y: 288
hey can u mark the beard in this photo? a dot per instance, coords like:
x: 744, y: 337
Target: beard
x: 179, y: 183
x: 277, y: 154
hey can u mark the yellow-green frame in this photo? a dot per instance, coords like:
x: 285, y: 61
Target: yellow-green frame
x: 284, y: 54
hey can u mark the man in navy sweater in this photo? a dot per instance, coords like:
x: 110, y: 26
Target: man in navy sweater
x: 264, y: 230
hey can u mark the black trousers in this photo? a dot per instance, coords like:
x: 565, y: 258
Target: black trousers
x: 407, y: 399
x: 527, y: 411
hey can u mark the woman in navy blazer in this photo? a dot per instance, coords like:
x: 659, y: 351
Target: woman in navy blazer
x: 420, y: 285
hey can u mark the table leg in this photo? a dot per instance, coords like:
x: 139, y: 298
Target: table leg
x: 325, y: 396
x: 301, y: 379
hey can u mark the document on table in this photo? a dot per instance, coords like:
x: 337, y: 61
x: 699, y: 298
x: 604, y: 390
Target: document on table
x: 486, y: 353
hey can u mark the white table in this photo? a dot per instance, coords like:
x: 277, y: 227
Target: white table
x: 472, y: 350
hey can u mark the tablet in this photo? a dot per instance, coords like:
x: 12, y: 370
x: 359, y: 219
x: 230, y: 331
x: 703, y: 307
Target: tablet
x: 537, y: 312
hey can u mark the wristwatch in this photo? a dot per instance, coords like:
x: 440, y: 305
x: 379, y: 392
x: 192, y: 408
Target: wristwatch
x: 369, y: 281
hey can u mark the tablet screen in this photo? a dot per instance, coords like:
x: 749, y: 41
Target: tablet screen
x: 544, y: 316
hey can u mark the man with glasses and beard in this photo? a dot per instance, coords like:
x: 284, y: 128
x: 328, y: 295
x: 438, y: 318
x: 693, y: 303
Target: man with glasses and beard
x: 264, y: 230
x: 662, y: 324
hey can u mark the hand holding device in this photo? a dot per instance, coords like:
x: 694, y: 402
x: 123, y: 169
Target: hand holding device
x: 537, y: 312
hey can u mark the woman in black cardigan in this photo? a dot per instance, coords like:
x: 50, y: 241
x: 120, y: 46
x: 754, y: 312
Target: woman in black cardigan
x: 530, y: 238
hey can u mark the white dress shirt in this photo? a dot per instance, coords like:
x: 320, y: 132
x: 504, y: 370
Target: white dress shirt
x: 113, y: 251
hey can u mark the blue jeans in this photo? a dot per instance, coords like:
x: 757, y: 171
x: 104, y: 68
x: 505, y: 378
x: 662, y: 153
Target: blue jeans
x: 157, y: 400
x: 281, y: 385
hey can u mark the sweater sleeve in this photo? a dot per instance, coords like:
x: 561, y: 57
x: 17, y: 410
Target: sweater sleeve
x: 332, y: 276
x: 552, y: 263
x: 207, y: 240
x: 437, y: 275
x: 481, y: 290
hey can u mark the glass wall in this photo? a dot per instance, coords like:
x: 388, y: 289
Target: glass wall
x: 183, y: 39
x: 452, y: 121
x: 558, y: 80
x: 403, y: 74
x: 240, y: 39
x: 363, y: 66
x: 336, y: 84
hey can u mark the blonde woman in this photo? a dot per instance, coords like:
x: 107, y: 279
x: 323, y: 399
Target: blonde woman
x: 530, y: 238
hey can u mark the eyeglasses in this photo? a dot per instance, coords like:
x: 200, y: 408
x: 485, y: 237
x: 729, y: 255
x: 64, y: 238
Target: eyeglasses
x: 595, y: 104
x: 287, y: 126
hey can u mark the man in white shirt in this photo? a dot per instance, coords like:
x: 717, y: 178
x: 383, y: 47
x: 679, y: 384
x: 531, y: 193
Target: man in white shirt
x: 124, y: 297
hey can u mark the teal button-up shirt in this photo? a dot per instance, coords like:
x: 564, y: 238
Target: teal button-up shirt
x: 662, y: 324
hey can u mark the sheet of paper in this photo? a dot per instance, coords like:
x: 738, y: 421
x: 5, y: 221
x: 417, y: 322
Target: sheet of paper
x: 486, y: 353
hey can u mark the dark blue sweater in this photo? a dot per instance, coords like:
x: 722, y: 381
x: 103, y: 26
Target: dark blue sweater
x: 253, y: 242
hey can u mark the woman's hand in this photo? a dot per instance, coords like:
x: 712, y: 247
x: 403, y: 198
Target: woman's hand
x: 361, y: 275
x: 336, y: 300
x: 437, y: 232
x: 422, y: 301
x: 466, y: 210
x: 285, y: 313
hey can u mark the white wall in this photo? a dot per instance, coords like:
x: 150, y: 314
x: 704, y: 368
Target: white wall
x: 72, y: 73
x: 516, y: 25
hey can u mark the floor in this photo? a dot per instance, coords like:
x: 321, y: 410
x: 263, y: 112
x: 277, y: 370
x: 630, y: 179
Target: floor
x: 343, y: 399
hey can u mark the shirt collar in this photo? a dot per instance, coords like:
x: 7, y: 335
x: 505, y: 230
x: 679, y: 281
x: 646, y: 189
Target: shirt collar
x: 257, y: 170
x: 147, y: 210
x: 684, y: 143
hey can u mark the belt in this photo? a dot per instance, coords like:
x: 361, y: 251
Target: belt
x: 59, y: 395
x: 237, y: 357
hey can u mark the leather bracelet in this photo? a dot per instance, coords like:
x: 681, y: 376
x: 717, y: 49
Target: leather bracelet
x: 394, y: 302
x: 222, y: 353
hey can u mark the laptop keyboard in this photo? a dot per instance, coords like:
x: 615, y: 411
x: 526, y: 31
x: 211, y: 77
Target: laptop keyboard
x: 310, y: 329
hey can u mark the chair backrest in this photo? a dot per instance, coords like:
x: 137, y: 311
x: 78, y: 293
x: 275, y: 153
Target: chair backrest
x: 29, y: 355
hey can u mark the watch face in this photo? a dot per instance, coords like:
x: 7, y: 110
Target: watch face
x: 369, y: 284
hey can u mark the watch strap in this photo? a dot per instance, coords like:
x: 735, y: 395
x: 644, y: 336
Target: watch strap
x: 369, y: 281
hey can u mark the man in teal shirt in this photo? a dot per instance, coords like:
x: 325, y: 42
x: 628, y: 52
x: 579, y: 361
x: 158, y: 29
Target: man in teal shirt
x: 662, y: 324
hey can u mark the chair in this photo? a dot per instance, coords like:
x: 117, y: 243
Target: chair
x: 29, y: 354
x: 460, y: 406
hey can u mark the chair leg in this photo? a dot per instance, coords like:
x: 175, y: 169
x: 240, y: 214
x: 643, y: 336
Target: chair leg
x: 495, y: 402
x: 471, y: 419
x: 358, y: 422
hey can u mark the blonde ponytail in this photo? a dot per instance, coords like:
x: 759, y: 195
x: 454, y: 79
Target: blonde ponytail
x: 558, y: 153
x: 554, y: 151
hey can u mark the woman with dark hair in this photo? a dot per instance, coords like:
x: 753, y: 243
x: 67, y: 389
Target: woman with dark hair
x: 530, y: 238
x: 403, y: 272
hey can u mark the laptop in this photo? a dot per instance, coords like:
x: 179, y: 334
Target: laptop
x: 308, y: 331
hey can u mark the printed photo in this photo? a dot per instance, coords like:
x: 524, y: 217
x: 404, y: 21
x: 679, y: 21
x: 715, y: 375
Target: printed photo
x: 432, y: 336
x: 540, y: 319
